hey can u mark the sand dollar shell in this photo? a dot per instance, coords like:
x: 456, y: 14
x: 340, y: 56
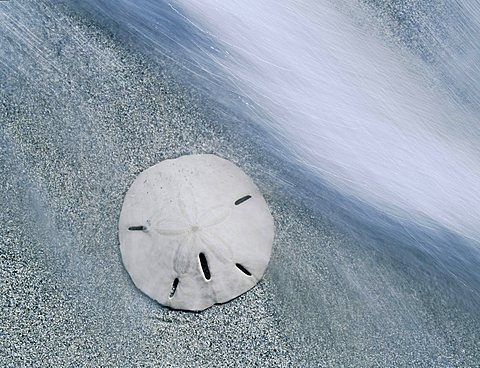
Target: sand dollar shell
x: 195, y: 231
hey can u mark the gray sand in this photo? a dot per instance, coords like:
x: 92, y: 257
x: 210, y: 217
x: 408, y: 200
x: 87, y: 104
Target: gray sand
x: 80, y: 118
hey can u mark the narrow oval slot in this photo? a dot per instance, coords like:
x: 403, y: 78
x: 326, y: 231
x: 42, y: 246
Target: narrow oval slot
x: 243, y: 199
x: 204, y: 264
x: 174, y: 287
x: 243, y: 269
x: 137, y: 228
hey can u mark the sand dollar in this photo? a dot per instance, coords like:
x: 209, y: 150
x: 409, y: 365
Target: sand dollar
x: 195, y: 231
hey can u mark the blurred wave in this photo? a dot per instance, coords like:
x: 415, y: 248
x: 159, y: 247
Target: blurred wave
x: 380, y: 124
x: 376, y: 123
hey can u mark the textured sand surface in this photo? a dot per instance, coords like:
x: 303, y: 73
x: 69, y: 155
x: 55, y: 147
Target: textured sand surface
x: 81, y: 117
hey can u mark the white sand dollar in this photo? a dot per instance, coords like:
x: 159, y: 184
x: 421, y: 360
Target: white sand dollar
x: 195, y: 231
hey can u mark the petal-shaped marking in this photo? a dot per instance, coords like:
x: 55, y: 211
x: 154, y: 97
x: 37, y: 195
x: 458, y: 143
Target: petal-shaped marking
x: 183, y: 255
x: 214, y: 216
x: 169, y: 227
x: 216, y: 246
x: 187, y: 204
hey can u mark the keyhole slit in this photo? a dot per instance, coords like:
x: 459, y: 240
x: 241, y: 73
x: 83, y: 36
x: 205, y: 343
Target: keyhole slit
x: 174, y: 287
x: 204, y: 264
x: 137, y: 228
x: 243, y: 199
x: 243, y: 269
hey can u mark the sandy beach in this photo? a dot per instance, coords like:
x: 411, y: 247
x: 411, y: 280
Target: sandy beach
x: 81, y: 116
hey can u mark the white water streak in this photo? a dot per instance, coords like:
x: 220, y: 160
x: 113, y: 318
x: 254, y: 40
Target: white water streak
x: 351, y: 108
